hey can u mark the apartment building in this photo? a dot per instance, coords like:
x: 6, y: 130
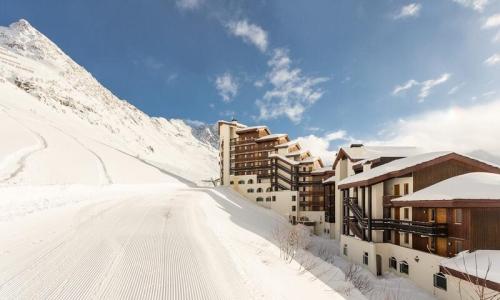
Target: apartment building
x: 386, y: 231
x: 273, y: 171
x: 350, y: 161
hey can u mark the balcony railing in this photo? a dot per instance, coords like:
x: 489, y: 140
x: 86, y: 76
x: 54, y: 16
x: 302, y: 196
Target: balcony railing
x: 417, y: 227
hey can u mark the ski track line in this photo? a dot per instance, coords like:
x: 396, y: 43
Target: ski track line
x: 22, y: 160
x: 101, y: 161
x: 180, y: 178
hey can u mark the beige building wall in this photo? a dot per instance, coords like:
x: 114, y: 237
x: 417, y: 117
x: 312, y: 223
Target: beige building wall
x: 284, y: 198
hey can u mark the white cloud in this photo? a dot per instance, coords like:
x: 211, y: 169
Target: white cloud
x: 496, y: 38
x: 322, y: 145
x: 492, y: 22
x: 172, y: 77
x: 259, y: 83
x: 454, y: 89
x: 463, y: 129
x: 227, y: 86
x: 410, y: 10
x: 493, y: 60
x: 250, y: 33
x: 408, y: 85
x: 429, y: 84
x: 425, y: 86
x: 477, y: 5
x: 292, y: 93
x: 188, y: 4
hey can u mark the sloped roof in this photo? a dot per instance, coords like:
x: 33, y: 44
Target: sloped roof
x: 271, y: 137
x: 480, y: 263
x: 287, y: 144
x: 405, y: 165
x: 470, y: 186
x: 367, y: 153
x: 252, y: 128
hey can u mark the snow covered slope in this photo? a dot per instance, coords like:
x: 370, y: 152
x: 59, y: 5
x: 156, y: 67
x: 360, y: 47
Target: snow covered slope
x: 59, y: 125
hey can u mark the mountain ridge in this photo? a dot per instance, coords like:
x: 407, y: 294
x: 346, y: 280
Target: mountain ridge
x: 32, y: 63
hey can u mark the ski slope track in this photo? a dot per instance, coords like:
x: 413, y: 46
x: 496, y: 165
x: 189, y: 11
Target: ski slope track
x: 166, y: 241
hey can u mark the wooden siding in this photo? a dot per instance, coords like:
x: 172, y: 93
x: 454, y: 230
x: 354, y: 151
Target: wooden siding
x: 439, y: 172
x: 485, y: 228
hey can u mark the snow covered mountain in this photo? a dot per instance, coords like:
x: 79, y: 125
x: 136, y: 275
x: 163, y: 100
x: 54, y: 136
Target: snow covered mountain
x: 59, y: 125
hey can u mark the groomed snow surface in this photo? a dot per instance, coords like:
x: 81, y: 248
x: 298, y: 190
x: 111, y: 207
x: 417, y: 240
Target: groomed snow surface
x: 162, y: 241
x: 165, y: 241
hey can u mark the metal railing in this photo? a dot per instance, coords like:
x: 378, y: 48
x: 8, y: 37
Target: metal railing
x: 418, y: 227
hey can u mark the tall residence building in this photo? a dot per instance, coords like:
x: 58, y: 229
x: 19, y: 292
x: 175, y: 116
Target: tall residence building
x: 408, y: 215
x: 274, y: 172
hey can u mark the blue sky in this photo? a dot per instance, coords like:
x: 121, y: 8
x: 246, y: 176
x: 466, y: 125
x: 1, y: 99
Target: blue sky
x: 328, y: 71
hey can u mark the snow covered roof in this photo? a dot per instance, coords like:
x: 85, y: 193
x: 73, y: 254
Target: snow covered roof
x: 287, y: 144
x: 271, y: 137
x: 477, y: 185
x: 251, y: 128
x: 289, y: 161
x: 321, y: 170
x: 479, y: 263
x: 398, y: 166
x: 358, y: 152
x: 329, y: 180
x: 373, y: 152
x: 393, y: 166
x: 310, y: 160
x: 294, y: 153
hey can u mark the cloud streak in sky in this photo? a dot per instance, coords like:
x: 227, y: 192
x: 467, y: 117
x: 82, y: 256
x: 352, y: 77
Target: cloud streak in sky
x: 477, y: 5
x: 425, y: 86
x: 188, y: 4
x: 410, y: 10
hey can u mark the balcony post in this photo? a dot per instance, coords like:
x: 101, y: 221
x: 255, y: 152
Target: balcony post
x: 363, y: 196
x: 370, y: 213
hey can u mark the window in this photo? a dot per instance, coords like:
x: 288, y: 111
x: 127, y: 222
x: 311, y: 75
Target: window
x: 459, y: 246
x: 432, y: 243
x: 393, y: 263
x: 259, y: 199
x: 231, y: 182
x: 458, y: 215
x: 403, y: 267
x: 274, y: 198
x: 440, y: 281
x: 396, y: 190
x: 259, y: 180
x: 406, y: 188
x: 365, y: 258
x: 268, y: 199
x: 241, y: 182
x: 250, y: 181
x: 432, y: 214
x: 259, y: 190
x: 345, y: 250
x: 250, y: 191
x: 406, y: 238
x: 406, y: 213
x: 268, y: 189
x: 293, y: 208
x: 294, y: 198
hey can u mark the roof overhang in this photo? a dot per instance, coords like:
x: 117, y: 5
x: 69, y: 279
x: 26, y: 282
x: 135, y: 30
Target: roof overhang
x: 405, y: 171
